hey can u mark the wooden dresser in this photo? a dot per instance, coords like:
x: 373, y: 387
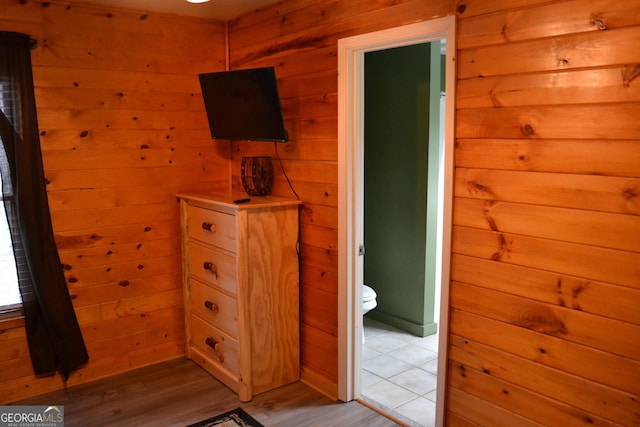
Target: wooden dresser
x: 240, y: 279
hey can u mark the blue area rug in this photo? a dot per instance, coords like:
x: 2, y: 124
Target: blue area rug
x: 235, y: 418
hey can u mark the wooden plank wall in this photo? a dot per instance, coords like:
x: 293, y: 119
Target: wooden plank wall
x: 545, y: 293
x: 123, y: 129
x: 546, y: 254
x: 546, y: 258
x: 299, y: 38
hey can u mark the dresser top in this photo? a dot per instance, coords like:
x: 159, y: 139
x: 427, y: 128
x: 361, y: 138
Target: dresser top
x: 228, y: 199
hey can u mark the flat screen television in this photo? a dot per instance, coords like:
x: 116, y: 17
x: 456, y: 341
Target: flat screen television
x: 243, y: 105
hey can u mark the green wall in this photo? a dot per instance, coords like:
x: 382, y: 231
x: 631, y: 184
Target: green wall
x: 398, y: 181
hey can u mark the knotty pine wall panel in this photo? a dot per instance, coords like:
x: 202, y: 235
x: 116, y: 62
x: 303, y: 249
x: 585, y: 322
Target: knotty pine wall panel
x: 590, y: 296
x: 587, y: 227
x: 576, y: 190
x: 546, y: 217
x: 550, y: 19
x: 546, y: 127
x: 299, y: 38
x: 602, y: 157
x: 546, y: 265
x: 123, y: 129
x: 307, y: 25
x: 577, y: 359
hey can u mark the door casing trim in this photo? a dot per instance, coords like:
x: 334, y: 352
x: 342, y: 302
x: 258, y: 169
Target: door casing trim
x: 351, y: 52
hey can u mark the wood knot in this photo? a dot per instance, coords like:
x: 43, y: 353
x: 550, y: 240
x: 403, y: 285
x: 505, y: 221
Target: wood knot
x: 629, y: 74
x: 494, y: 99
x: 630, y: 193
x: 542, y: 320
x: 487, y: 214
x: 527, y: 129
x: 598, y: 22
x: 476, y: 187
x: 578, y: 289
x: 504, y: 248
x: 462, y: 8
x: 561, y: 301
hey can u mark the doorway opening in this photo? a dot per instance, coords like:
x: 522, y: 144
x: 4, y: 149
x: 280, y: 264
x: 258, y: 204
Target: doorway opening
x: 351, y: 54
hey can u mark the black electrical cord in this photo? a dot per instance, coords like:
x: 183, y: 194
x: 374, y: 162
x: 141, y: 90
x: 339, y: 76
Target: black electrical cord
x: 297, y: 197
x: 285, y: 172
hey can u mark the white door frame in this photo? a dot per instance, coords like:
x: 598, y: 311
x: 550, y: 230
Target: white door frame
x: 350, y: 183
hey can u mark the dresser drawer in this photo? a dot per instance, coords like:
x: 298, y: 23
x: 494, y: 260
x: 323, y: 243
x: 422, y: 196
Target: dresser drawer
x: 213, y: 267
x: 219, y: 346
x: 214, y: 306
x: 212, y: 227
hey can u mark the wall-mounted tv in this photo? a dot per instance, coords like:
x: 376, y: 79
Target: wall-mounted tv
x: 243, y: 105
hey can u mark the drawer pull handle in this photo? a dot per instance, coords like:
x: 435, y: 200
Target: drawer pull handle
x: 209, y: 227
x: 211, y: 267
x: 215, y: 345
x: 211, y: 306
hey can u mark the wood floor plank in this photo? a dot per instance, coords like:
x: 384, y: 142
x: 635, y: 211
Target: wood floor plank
x: 179, y: 393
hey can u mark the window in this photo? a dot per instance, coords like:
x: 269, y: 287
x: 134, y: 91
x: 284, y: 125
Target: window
x: 10, y: 299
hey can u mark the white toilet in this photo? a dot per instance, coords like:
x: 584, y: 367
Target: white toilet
x: 368, y: 302
x: 368, y: 299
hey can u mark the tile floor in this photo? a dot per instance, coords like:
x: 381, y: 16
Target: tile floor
x: 399, y: 373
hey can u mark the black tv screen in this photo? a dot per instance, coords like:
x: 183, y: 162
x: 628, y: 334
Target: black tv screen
x: 243, y: 105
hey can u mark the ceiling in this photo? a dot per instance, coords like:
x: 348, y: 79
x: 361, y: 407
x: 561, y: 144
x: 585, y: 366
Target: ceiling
x: 214, y: 9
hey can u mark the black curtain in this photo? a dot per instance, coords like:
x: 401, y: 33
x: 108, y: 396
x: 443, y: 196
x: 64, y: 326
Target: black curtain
x: 53, y: 333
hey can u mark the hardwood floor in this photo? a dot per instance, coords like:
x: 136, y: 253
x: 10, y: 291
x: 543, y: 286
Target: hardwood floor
x: 179, y: 393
